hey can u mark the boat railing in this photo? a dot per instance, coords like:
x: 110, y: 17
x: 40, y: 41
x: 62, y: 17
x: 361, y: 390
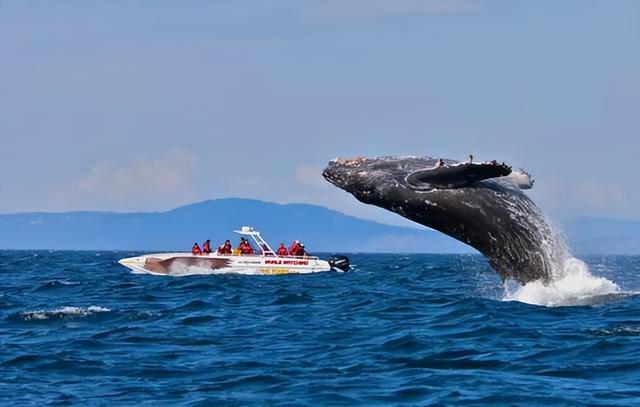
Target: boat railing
x: 271, y: 256
x: 300, y: 257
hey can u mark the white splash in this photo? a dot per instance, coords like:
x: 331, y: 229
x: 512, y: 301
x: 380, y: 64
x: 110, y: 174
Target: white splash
x: 521, y: 179
x: 572, y: 284
x: 63, y: 312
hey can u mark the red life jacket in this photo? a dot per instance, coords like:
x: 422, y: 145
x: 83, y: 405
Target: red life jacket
x: 282, y: 251
x: 296, y: 250
x: 206, y: 248
x: 195, y: 250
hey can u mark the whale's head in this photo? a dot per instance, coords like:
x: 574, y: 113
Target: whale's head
x: 371, y: 180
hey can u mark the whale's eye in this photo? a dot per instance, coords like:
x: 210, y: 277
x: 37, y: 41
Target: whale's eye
x: 456, y: 176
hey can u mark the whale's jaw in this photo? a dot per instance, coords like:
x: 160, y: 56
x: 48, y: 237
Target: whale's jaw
x: 477, y: 204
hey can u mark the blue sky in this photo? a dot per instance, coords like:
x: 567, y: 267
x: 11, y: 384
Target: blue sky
x: 146, y: 105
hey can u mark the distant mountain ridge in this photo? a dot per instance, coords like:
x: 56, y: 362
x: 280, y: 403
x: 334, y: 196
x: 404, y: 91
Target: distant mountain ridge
x: 603, y: 235
x: 322, y: 229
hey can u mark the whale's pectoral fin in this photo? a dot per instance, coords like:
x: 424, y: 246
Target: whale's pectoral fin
x: 457, y: 176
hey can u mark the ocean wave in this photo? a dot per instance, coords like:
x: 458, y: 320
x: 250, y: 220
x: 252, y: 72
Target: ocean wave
x: 53, y: 284
x: 63, y: 312
x: 618, y: 331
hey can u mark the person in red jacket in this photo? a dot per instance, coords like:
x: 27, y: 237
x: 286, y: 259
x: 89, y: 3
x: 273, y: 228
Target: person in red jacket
x: 242, y: 244
x: 225, y: 248
x: 245, y: 247
x: 296, y: 249
x: 293, y: 248
x: 195, y: 250
x: 206, y: 247
x: 282, y: 251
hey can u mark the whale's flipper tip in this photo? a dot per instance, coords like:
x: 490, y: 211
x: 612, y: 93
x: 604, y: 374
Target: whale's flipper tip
x: 521, y: 179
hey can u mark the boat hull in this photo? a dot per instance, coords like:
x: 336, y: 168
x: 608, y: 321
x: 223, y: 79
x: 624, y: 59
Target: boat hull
x: 178, y: 264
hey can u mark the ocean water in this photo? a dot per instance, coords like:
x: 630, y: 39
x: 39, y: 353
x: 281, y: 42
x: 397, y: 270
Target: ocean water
x: 78, y: 328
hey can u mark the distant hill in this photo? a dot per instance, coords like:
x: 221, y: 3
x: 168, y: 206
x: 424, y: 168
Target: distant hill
x: 603, y: 236
x: 321, y: 229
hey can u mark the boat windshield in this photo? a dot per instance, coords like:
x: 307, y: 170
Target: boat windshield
x: 259, y: 245
x: 256, y: 241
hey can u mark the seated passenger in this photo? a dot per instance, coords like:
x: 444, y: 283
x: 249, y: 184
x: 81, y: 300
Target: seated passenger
x: 297, y: 249
x: 240, y: 246
x: 282, y: 251
x: 245, y: 247
x: 195, y: 250
x: 293, y: 248
x: 225, y: 248
x: 206, y: 247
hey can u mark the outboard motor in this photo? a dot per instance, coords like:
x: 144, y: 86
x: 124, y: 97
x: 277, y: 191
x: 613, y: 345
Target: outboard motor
x: 339, y: 262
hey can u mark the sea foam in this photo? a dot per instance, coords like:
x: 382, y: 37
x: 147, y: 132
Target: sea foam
x: 63, y: 312
x: 572, y: 284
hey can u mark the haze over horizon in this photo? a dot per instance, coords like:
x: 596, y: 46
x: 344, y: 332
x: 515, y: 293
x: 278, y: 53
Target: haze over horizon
x: 145, y: 106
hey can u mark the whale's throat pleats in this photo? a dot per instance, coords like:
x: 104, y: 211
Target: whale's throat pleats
x: 456, y: 176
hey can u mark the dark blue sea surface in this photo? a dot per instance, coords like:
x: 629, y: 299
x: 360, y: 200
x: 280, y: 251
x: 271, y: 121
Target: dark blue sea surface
x: 78, y: 328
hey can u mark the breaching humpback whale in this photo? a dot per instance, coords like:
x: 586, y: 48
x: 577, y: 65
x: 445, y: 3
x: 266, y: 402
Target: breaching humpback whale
x: 481, y: 204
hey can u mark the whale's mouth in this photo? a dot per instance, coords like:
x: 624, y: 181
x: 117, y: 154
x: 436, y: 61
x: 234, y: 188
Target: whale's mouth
x: 340, y: 171
x: 330, y: 174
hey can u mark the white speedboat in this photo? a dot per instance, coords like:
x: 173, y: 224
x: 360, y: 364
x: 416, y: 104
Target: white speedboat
x: 265, y: 262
